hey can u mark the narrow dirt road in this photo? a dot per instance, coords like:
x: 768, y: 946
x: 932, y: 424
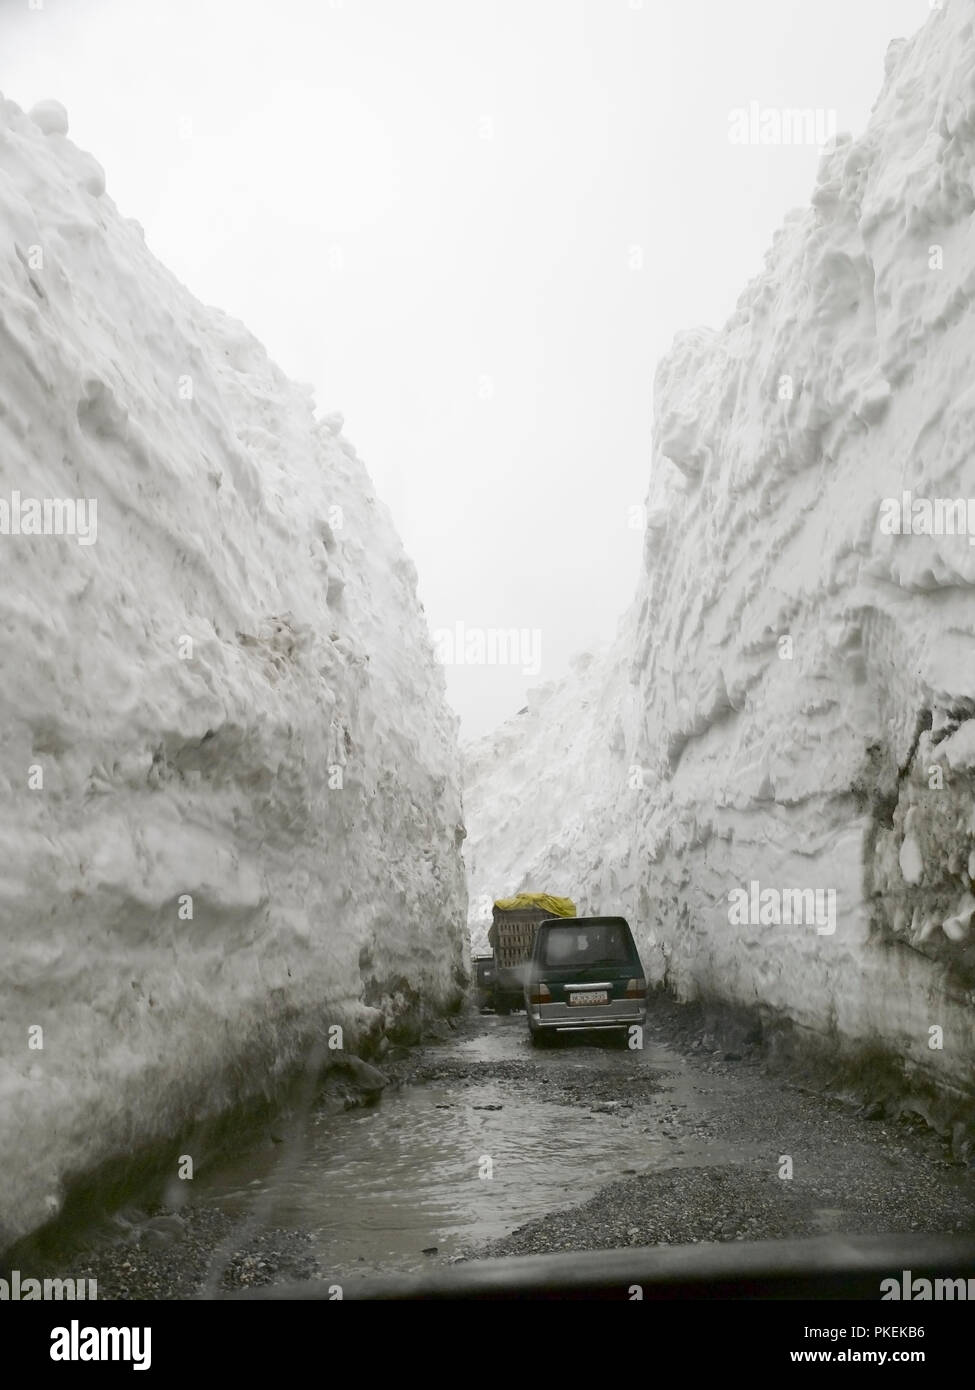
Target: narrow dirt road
x: 482, y: 1145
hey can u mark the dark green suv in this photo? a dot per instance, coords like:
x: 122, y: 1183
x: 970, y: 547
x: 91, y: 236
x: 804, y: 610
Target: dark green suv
x: 584, y: 974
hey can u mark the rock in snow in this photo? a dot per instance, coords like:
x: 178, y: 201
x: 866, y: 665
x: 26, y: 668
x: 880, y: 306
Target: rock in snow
x: 230, y: 814
x: 790, y: 703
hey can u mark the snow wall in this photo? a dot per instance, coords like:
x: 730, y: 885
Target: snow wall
x: 790, y: 703
x: 230, y: 811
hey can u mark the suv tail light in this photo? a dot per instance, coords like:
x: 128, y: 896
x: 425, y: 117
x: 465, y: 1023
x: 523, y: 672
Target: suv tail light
x: 636, y: 989
x: 540, y: 993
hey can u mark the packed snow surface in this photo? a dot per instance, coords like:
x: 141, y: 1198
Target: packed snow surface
x: 772, y: 772
x: 230, y: 814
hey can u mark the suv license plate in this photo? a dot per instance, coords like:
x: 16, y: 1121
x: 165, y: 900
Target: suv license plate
x: 589, y: 996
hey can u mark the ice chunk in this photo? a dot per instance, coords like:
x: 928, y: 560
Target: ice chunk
x: 51, y: 116
x: 956, y: 927
x: 911, y: 862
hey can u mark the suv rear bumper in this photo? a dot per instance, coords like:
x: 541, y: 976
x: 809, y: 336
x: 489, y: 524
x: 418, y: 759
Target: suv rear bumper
x: 561, y: 1018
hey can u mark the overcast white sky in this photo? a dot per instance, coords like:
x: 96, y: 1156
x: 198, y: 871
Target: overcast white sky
x: 428, y: 210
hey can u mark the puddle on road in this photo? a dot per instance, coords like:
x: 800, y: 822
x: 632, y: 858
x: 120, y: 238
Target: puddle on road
x: 376, y: 1187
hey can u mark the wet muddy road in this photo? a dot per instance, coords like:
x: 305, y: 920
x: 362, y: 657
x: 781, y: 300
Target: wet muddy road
x: 482, y: 1145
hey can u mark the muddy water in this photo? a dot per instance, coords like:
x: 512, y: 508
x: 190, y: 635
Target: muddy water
x: 378, y: 1187
x: 442, y: 1166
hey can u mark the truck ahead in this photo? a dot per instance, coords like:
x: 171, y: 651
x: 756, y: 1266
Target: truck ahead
x: 512, y: 936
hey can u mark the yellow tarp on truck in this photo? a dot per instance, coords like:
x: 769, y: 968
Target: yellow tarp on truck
x: 555, y: 907
x: 511, y: 937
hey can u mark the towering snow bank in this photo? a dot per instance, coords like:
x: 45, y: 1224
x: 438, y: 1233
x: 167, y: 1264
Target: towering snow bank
x: 230, y: 812
x: 536, y: 796
x: 804, y: 679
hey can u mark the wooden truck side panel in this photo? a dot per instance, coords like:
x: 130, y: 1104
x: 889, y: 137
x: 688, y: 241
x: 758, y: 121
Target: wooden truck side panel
x: 512, y: 935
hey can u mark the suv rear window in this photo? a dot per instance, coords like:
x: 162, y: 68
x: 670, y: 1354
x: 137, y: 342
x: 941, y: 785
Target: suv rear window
x: 603, y: 943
